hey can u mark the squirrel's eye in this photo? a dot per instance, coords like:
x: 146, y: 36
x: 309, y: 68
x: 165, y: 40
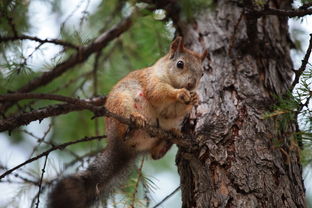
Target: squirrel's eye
x: 180, y: 64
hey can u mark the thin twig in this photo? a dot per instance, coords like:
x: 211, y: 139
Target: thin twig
x: 137, y: 184
x: 167, y: 197
x: 77, y: 58
x: 66, y: 44
x: 24, y: 118
x: 95, y: 85
x: 281, y: 12
x: 24, y: 180
x: 40, y: 182
x: 78, y: 104
x: 305, y: 60
x: 81, y: 56
x: 58, y: 147
x: 80, y: 158
x: 41, y: 96
x: 306, y: 5
x: 71, y: 14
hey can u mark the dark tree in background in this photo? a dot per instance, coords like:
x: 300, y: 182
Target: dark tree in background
x: 246, y: 144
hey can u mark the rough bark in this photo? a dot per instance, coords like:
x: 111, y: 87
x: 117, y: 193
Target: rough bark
x: 239, y: 164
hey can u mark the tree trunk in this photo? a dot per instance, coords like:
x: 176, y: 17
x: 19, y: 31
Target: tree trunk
x: 239, y: 163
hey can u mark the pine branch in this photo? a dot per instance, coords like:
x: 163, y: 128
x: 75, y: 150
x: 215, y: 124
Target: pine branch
x: 77, y: 58
x: 303, y: 66
x: 36, y: 39
x: 43, y: 96
x: 167, y: 197
x: 172, y: 136
x: 73, y: 104
x: 280, y: 12
x: 23, y: 180
x: 306, y: 5
x: 40, y: 182
x: 133, y: 197
x: 95, y: 105
x: 20, y: 119
x: 58, y: 147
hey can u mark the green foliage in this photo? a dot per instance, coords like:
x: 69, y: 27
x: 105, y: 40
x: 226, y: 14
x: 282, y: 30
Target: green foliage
x: 21, y: 61
x: 304, y: 93
x: 146, y: 41
x: 306, y: 1
x: 189, y: 9
x: 284, y: 110
x: 8, y: 20
x: 260, y: 2
x: 296, y: 106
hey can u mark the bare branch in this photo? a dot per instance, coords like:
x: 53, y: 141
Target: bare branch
x: 44, y: 96
x: 22, y: 179
x: 167, y: 197
x: 280, y: 12
x: 78, y: 104
x: 133, y: 197
x: 36, y: 39
x: 25, y: 118
x: 40, y: 182
x: 306, y: 5
x: 77, y: 58
x: 303, y: 66
x: 19, y: 119
x: 59, y: 147
x: 172, y: 136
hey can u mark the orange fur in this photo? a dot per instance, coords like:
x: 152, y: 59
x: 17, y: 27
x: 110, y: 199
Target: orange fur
x: 160, y: 94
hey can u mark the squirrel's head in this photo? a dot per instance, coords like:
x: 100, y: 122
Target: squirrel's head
x: 184, y: 67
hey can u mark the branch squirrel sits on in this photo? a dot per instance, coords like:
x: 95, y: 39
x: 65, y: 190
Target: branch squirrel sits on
x: 160, y: 95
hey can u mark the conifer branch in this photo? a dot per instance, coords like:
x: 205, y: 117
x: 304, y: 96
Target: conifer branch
x: 36, y: 39
x: 303, y: 66
x: 167, y: 197
x: 73, y: 104
x: 80, y: 56
x: 95, y: 105
x: 306, y: 5
x: 41, y: 179
x: 45, y: 153
x: 280, y: 12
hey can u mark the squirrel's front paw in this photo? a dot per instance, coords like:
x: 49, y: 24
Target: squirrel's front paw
x: 177, y: 132
x: 184, y: 96
x: 194, y: 98
x: 138, y: 120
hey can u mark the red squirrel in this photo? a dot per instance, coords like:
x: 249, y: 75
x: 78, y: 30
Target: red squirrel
x: 160, y: 95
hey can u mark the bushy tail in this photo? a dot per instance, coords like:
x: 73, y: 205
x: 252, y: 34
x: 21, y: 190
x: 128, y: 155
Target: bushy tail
x: 81, y: 190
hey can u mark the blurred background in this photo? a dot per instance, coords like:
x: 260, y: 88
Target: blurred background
x: 79, y: 21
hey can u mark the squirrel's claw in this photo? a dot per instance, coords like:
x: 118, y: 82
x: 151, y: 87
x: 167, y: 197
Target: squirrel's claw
x: 194, y: 98
x: 184, y: 96
x: 177, y: 132
x: 138, y: 120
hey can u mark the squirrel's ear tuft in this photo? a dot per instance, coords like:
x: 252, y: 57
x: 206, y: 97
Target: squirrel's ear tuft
x: 176, y: 46
x: 204, y: 55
